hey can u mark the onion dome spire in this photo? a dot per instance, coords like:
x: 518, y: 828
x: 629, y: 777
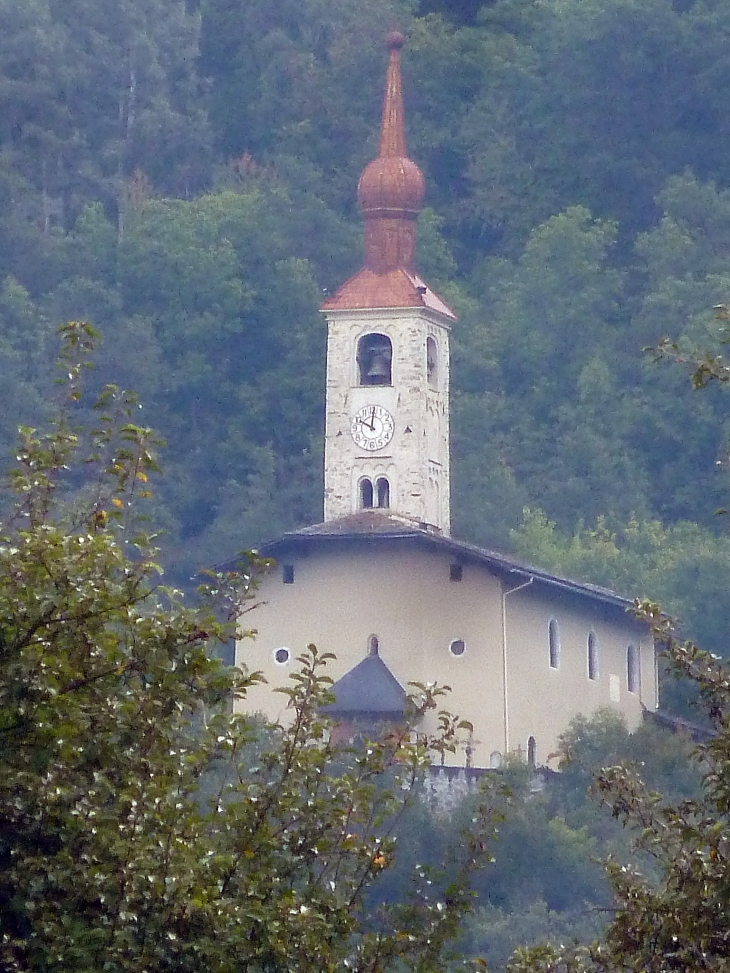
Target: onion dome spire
x: 390, y: 194
x: 391, y: 188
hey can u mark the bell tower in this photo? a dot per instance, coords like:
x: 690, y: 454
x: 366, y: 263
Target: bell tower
x: 387, y: 411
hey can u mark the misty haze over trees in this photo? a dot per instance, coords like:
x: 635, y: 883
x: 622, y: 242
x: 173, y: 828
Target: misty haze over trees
x: 182, y: 175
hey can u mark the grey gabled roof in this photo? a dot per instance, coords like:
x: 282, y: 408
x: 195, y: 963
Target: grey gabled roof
x: 370, y: 689
x: 375, y: 526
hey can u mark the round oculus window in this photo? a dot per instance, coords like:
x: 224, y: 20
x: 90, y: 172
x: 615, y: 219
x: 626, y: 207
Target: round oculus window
x: 281, y: 656
x: 457, y: 647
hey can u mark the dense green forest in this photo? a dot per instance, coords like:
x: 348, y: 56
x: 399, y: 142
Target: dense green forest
x: 144, y: 827
x: 183, y: 174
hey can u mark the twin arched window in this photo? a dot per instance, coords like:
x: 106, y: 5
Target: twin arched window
x: 382, y: 490
x: 366, y: 493
x: 377, y: 495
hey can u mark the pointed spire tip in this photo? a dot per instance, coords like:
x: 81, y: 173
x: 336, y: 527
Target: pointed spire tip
x: 391, y: 188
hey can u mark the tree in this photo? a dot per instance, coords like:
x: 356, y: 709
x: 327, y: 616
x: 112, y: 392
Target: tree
x: 684, y: 566
x: 294, y: 85
x: 677, y: 919
x: 142, y: 826
x: 670, y: 906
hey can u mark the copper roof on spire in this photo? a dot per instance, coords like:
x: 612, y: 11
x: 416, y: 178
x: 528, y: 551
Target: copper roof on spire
x: 390, y: 193
x: 392, y: 185
x: 392, y: 133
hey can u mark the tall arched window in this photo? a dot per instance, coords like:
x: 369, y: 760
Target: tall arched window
x: 432, y: 363
x: 373, y: 645
x: 531, y: 751
x: 374, y: 359
x: 554, y: 644
x: 632, y: 669
x: 366, y: 493
x: 382, y: 488
x: 592, y: 657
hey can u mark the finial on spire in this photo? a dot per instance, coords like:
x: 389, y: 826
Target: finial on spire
x: 392, y: 133
x: 391, y: 188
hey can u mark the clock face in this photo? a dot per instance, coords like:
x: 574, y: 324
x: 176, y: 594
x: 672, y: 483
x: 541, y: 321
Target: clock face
x: 372, y: 427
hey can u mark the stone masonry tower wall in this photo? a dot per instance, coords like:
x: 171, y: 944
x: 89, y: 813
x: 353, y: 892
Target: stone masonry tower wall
x: 415, y: 461
x: 387, y: 412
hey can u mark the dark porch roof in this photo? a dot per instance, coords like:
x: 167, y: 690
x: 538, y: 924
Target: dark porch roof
x: 370, y: 689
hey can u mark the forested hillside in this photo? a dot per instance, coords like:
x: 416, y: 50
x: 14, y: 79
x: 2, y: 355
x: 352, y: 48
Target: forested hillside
x: 183, y: 175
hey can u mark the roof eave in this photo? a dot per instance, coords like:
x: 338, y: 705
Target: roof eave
x: 497, y: 563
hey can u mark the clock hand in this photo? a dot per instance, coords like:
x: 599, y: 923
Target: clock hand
x: 372, y: 420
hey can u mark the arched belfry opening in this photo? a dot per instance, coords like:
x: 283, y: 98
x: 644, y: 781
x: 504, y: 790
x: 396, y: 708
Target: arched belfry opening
x: 375, y: 360
x: 432, y: 363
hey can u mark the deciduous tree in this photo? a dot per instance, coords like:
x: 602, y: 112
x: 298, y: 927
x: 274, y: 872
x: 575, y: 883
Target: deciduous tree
x: 142, y: 826
x: 673, y: 916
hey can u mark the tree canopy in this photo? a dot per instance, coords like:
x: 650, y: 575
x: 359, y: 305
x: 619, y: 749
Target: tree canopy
x: 184, y: 176
x: 669, y: 904
x: 142, y: 825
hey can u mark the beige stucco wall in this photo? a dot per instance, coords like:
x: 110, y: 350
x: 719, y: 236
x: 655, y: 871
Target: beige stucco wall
x: 543, y: 700
x: 402, y: 594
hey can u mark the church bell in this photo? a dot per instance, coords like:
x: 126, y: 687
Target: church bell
x: 378, y: 367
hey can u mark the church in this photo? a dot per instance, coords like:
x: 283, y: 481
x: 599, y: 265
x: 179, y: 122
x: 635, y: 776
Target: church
x: 380, y: 582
